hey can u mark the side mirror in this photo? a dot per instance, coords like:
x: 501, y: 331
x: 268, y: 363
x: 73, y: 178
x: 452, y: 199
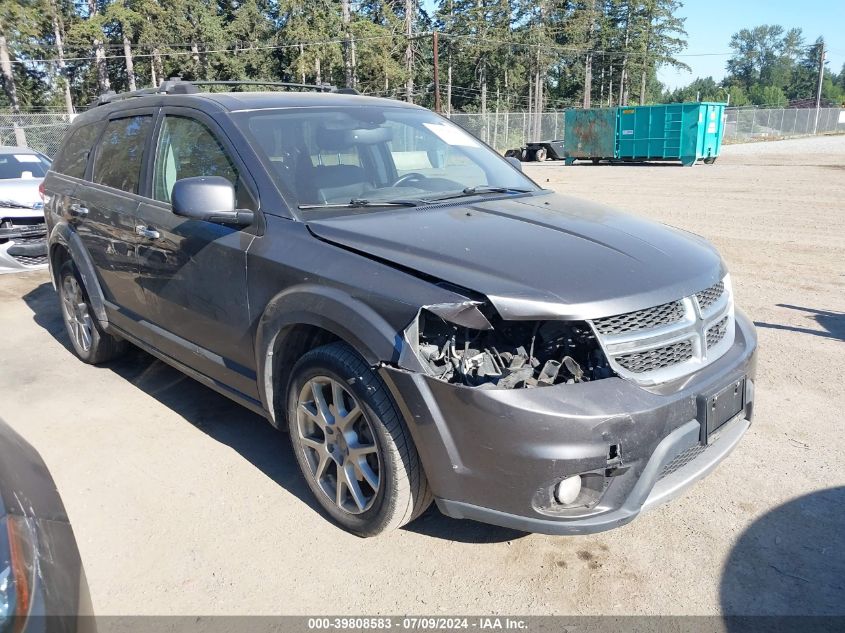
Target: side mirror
x: 513, y: 160
x: 210, y: 199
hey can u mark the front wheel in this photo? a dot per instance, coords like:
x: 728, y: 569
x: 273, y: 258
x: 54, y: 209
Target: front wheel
x: 352, y: 445
x: 91, y: 344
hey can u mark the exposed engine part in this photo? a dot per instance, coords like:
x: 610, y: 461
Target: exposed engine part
x: 511, y: 355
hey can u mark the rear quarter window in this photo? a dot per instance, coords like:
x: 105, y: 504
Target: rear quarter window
x: 120, y: 154
x: 73, y: 155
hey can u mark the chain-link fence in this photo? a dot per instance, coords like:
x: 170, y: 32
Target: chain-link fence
x: 502, y: 130
x: 754, y: 124
x: 42, y: 132
x: 505, y: 130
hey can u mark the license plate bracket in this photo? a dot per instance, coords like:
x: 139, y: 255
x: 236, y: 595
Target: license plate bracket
x: 717, y: 408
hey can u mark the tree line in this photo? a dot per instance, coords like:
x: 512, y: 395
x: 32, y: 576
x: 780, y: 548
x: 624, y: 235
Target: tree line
x: 493, y: 54
x: 532, y: 55
x: 769, y: 66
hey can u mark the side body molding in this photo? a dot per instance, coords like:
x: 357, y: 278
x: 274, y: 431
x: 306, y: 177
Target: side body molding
x: 63, y: 235
x: 330, y: 309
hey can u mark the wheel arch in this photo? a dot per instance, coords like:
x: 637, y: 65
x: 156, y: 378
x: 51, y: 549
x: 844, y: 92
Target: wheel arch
x: 65, y: 243
x: 308, y: 316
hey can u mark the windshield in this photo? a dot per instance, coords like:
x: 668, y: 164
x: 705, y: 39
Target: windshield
x: 22, y: 166
x: 365, y: 156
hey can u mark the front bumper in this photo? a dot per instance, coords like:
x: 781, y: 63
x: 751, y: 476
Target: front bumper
x: 494, y: 455
x: 23, y: 253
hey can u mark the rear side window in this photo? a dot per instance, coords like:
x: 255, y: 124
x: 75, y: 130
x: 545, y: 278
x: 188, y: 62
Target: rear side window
x: 121, y: 153
x: 73, y: 156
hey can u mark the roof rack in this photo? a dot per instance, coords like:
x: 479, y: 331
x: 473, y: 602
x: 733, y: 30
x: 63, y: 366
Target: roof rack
x: 178, y: 86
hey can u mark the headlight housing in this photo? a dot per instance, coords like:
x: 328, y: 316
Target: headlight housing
x: 17, y: 569
x: 509, y: 354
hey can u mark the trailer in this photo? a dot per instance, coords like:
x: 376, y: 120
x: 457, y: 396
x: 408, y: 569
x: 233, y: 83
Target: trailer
x: 538, y: 151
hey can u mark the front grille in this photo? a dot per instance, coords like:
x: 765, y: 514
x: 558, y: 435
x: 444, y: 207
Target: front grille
x: 658, y: 358
x: 707, y: 298
x: 716, y: 333
x: 31, y: 260
x: 682, y: 459
x: 641, y: 319
x: 670, y: 340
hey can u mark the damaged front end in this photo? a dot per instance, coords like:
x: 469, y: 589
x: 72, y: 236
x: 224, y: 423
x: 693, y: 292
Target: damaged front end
x: 468, y: 344
x: 23, y: 238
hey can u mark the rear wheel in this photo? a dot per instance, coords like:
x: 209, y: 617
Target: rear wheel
x: 89, y: 341
x: 351, y: 443
x: 540, y: 154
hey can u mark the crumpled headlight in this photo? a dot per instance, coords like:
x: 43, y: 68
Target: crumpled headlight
x: 472, y: 346
x: 17, y: 567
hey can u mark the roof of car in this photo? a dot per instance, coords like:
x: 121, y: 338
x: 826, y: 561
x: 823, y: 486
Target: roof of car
x: 234, y: 101
x: 11, y: 149
x: 239, y: 101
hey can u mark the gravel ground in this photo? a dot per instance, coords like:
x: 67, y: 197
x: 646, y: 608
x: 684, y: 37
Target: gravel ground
x: 183, y: 503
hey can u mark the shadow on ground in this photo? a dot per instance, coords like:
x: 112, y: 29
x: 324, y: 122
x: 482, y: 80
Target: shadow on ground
x: 229, y: 423
x: 790, y: 561
x: 832, y: 323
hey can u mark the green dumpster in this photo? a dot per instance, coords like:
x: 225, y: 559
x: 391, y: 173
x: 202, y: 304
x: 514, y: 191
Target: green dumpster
x: 685, y: 132
x: 589, y: 133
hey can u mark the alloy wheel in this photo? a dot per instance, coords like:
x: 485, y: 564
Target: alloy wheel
x: 339, y: 444
x: 77, y: 315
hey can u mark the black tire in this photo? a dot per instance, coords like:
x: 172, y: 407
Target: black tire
x: 540, y: 154
x: 101, y: 346
x: 403, y: 493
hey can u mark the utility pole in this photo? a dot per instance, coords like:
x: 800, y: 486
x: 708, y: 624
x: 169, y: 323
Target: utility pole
x: 588, y: 60
x: 436, y: 73
x: 347, y: 46
x: 409, y: 51
x: 819, y: 87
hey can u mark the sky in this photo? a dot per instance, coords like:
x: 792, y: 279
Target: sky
x: 710, y: 24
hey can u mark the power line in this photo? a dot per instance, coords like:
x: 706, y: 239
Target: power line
x: 203, y: 51
x: 242, y: 46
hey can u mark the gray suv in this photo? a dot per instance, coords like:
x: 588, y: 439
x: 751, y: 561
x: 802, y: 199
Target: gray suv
x: 426, y: 321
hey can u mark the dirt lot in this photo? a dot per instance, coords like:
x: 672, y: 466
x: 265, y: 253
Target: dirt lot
x: 184, y: 503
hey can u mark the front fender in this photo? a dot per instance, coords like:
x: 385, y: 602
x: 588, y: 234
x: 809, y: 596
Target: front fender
x: 63, y: 235
x: 332, y: 310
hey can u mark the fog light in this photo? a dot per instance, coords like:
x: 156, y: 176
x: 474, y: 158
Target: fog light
x: 568, y: 489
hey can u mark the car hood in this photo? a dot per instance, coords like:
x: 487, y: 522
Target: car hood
x: 540, y: 256
x: 23, y: 191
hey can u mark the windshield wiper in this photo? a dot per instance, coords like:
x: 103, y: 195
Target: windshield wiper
x: 479, y: 189
x: 356, y: 203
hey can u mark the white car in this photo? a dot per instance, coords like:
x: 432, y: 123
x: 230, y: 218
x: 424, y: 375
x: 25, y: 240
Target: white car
x: 23, y: 243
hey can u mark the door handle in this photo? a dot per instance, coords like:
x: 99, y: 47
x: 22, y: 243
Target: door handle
x: 145, y: 231
x: 77, y: 210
